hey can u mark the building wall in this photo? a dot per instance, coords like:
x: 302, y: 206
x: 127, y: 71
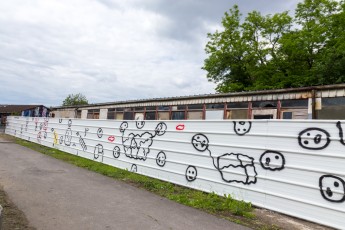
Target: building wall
x: 64, y: 113
x: 294, y: 167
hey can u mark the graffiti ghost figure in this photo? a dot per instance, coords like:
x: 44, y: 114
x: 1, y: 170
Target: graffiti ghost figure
x: 134, y: 168
x: 242, y: 127
x: 233, y: 167
x: 272, y: 160
x: 140, y: 123
x: 314, y: 139
x: 332, y: 188
x: 68, y: 137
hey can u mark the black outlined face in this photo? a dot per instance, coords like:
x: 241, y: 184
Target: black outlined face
x: 191, y: 173
x: 99, y: 132
x: 161, y: 159
x: 116, y: 152
x: 200, y: 142
x: 123, y: 126
x: 314, y: 138
x: 272, y: 160
x: 242, y: 127
x: 140, y: 123
x: 160, y: 129
x: 134, y: 168
x: 69, y: 122
x: 332, y: 188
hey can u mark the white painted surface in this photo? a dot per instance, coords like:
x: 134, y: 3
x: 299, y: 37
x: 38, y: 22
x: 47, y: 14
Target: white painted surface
x: 214, y: 115
x: 232, y: 160
x: 103, y: 113
x: 84, y: 114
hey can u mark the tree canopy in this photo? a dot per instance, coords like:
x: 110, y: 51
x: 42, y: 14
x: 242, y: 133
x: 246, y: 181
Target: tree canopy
x: 75, y: 99
x: 278, y: 51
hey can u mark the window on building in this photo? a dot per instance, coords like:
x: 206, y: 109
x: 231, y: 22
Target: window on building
x: 163, y: 115
x: 178, y: 115
x: 93, y: 114
x: 194, y: 115
x: 150, y: 116
x: 79, y: 114
x: 294, y: 103
x: 287, y: 115
x: 264, y: 116
x: 215, y: 106
x: 237, y: 114
x: 111, y: 113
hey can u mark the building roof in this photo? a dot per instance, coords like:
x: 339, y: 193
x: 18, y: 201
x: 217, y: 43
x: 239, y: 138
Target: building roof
x: 16, y: 108
x: 289, y: 93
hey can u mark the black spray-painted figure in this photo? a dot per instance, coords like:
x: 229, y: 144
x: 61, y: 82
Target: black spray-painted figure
x: 68, y: 134
x: 332, y: 188
x: 242, y: 166
x: 116, y: 152
x: 134, y: 168
x: 191, y: 173
x: 140, y: 123
x: 272, y: 160
x: 341, y: 134
x: 100, y: 133
x: 82, y: 142
x: 137, y: 146
x: 242, y: 127
x: 161, y: 159
x: 98, y: 152
x: 314, y: 139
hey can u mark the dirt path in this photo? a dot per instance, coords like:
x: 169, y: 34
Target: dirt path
x: 56, y: 195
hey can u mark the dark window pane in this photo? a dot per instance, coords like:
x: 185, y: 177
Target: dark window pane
x: 128, y: 116
x: 238, y: 105
x: 294, y: 103
x: 111, y: 115
x: 128, y: 109
x: 177, y: 115
x: 119, y: 109
x: 163, y: 107
x: 150, y: 116
x: 139, y: 108
x: 199, y: 107
x: 150, y: 108
x: 214, y: 106
x: 326, y: 101
x: 111, y: 110
x: 287, y: 115
x: 266, y: 116
x: 181, y: 107
x: 264, y: 104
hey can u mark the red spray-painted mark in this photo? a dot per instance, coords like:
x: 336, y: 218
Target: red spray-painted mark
x: 111, y: 138
x: 180, y: 127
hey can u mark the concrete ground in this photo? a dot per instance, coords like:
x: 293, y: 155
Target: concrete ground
x: 57, y: 195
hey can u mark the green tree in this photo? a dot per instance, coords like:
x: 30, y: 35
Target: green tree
x: 75, y: 99
x: 278, y: 51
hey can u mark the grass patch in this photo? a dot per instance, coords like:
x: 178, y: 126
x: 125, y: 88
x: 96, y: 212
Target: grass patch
x: 224, y: 206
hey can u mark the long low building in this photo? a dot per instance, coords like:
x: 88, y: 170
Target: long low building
x: 318, y: 102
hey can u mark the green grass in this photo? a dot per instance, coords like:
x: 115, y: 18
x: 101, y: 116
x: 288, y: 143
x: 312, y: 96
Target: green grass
x: 224, y: 206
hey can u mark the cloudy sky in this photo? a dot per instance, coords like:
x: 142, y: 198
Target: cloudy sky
x: 109, y: 50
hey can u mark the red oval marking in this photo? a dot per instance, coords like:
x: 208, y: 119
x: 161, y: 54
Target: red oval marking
x: 180, y: 127
x: 111, y: 138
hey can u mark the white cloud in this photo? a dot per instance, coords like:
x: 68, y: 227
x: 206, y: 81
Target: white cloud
x: 107, y: 50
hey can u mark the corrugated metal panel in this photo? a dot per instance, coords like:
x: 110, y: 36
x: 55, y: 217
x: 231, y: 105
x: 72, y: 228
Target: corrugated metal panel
x: 294, y: 167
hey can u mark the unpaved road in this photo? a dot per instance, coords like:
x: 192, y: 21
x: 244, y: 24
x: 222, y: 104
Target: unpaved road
x: 56, y: 195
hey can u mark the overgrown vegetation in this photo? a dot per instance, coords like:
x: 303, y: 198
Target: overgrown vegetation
x: 259, y: 52
x: 224, y: 206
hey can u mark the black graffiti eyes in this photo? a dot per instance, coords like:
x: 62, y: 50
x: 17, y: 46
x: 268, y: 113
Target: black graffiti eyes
x: 272, y: 160
x: 314, y: 138
x: 200, y: 142
x: 161, y: 159
x: 332, y: 188
x: 99, y: 133
x: 191, y: 173
x: 242, y: 127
